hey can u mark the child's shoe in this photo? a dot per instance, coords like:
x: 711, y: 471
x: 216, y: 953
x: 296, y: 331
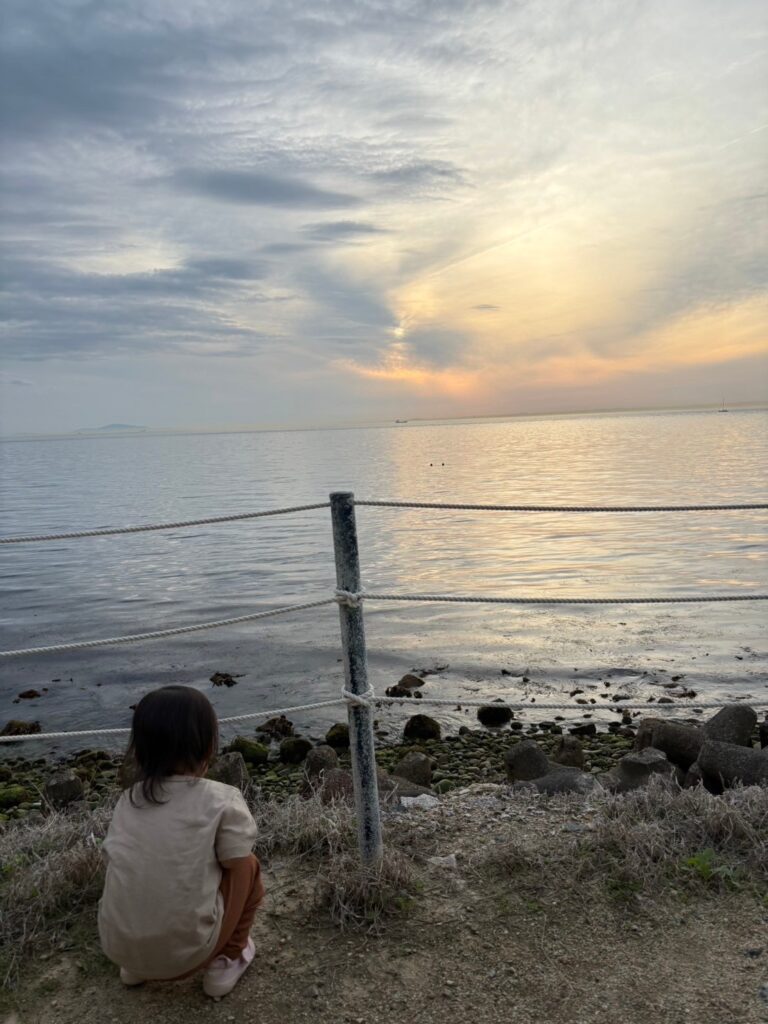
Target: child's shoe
x: 130, y: 979
x: 223, y: 974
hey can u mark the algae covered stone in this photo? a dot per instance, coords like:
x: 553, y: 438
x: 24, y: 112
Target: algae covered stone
x: 338, y: 736
x: 253, y: 752
x: 421, y: 727
x: 294, y: 749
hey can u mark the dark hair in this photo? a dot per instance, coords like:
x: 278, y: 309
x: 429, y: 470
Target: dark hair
x: 174, y: 731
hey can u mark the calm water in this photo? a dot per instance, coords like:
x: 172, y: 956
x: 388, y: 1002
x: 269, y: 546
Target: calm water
x: 107, y: 586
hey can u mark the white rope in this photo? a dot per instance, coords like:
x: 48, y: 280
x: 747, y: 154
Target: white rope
x: 157, y: 634
x: 180, y: 524
x: 463, y: 599
x: 562, y: 508
x: 369, y: 699
x: 349, y: 598
x: 359, y: 700
x: 274, y: 713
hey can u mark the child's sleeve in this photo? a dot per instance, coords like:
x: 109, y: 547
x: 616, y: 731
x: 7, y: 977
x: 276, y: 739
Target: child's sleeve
x: 237, y: 831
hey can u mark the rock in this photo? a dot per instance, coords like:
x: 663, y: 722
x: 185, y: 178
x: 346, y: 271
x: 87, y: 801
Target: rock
x: 11, y: 795
x: 494, y: 714
x: 410, y: 682
x: 18, y: 728
x: 398, y: 691
x: 276, y: 728
x: 62, y: 788
x: 568, y: 751
x: 635, y: 769
x: 391, y: 787
x: 223, y: 679
x: 230, y: 769
x: 525, y: 760
x: 252, y: 751
x: 762, y: 732
x: 448, y: 863
x: 732, y: 724
x: 320, y: 759
x: 424, y: 802
x: 681, y: 743
x: 587, y: 729
x: 338, y: 736
x: 561, y: 779
x: 421, y: 727
x: 29, y: 694
x: 415, y: 767
x: 726, y: 763
x: 294, y: 749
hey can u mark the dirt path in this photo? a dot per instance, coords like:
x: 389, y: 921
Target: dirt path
x: 473, y: 947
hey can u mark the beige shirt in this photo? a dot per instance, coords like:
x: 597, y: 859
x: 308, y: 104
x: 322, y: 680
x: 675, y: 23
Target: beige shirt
x: 161, y: 910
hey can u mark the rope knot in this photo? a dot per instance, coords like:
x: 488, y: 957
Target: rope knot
x: 359, y: 700
x: 349, y: 598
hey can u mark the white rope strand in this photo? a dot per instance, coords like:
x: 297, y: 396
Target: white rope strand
x: 180, y: 524
x: 274, y: 713
x: 157, y: 634
x: 348, y: 697
x: 562, y: 508
x: 463, y: 599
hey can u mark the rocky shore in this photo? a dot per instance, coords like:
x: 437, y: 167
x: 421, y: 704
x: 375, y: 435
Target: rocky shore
x: 551, y: 757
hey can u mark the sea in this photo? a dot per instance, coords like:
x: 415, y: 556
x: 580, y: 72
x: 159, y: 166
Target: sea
x: 90, y: 588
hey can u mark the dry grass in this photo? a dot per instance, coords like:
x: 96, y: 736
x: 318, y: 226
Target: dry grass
x: 303, y: 827
x: 655, y: 839
x: 358, y: 895
x: 50, y: 872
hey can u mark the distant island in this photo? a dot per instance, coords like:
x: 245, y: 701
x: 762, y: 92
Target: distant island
x: 110, y: 427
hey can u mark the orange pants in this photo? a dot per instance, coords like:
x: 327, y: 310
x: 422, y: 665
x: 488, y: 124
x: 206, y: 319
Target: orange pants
x: 243, y: 891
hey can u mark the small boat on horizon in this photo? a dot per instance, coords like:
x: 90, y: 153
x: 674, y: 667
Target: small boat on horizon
x: 722, y: 406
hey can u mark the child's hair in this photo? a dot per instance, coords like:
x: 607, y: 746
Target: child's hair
x: 174, y: 731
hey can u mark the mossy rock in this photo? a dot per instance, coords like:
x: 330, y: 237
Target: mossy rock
x: 12, y: 795
x: 338, y: 735
x: 421, y: 727
x: 252, y: 751
x: 294, y: 749
x: 444, y: 786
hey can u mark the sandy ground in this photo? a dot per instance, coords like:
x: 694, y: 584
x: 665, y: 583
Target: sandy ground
x: 473, y: 947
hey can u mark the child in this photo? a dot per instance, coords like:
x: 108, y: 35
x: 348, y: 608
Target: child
x: 182, y: 885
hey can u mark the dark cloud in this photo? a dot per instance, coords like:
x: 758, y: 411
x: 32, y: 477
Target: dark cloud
x: 420, y: 173
x: 52, y: 311
x: 341, y: 230
x: 260, y: 189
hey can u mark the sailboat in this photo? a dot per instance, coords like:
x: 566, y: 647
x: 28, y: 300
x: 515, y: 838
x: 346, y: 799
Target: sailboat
x: 722, y: 406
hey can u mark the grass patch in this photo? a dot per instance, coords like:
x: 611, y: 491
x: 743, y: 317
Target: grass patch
x: 363, y: 896
x: 651, y: 840
x: 52, y: 871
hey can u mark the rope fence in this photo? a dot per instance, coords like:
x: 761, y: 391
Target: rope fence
x: 179, y: 524
x: 370, y: 700
x: 156, y: 634
x: 241, y: 516
x: 562, y: 508
x: 357, y: 694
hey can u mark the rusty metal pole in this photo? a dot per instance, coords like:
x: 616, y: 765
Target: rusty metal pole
x: 361, y: 739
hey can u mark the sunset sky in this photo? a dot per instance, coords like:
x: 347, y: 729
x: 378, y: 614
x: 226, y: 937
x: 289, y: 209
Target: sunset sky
x: 234, y: 212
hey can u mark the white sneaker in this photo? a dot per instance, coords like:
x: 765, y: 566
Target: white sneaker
x: 223, y: 974
x: 130, y: 979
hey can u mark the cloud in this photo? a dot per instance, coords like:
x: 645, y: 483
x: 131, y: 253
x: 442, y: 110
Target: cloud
x: 341, y: 230
x: 259, y: 189
x: 443, y: 198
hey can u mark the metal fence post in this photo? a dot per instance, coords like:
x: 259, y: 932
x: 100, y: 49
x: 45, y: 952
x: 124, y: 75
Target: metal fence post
x: 356, y: 675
